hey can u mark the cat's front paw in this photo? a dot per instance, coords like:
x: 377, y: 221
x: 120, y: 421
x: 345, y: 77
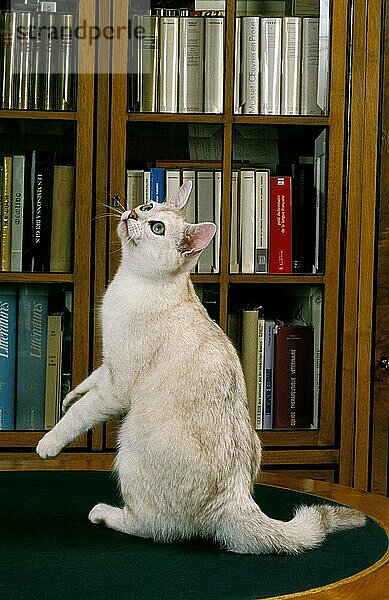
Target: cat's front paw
x: 99, y: 513
x: 48, y: 447
x: 70, y: 399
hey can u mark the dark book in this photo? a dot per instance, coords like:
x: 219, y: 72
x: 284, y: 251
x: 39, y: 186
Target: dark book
x: 42, y: 169
x: 293, y: 377
x: 304, y: 216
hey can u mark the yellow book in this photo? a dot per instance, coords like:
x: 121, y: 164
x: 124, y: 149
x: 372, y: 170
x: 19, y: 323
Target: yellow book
x: 6, y: 191
x: 62, y: 220
x: 53, y: 369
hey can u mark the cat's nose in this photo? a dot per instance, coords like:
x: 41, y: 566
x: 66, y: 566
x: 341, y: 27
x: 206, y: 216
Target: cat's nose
x: 133, y: 215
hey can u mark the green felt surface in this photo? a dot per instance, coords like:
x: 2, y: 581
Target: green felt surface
x: 49, y: 549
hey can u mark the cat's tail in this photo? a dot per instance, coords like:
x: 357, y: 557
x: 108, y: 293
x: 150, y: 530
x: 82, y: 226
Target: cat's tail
x: 248, y: 530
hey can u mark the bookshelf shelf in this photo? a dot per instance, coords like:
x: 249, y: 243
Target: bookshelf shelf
x: 280, y: 120
x: 280, y: 279
x: 38, y: 114
x: 175, y: 117
x: 36, y: 278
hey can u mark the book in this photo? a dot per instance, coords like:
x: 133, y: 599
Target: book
x: 303, y: 219
x: 147, y: 63
x: 146, y: 187
x: 51, y: 65
x: 271, y: 33
x: 38, y: 62
x: 324, y: 56
x: 247, y: 219
x: 205, y: 214
x: 237, y: 66
x: 260, y: 387
x: 250, y: 64
x: 135, y: 192
x: 320, y: 184
x: 268, y: 391
x: 172, y: 182
x: 293, y: 360
x: 22, y: 73
x: 17, y: 212
x: 214, y: 65
x: 31, y: 357
x: 42, y: 170
x: 217, y: 218
x: 157, y: 184
x: 66, y: 64
x: 8, y: 313
x: 280, y: 225
x: 66, y: 374
x: 53, y: 369
x: 190, y: 208
x: 262, y: 185
x: 191, y: 65
x: 168, y: 64
x: 310, y: 67
x: 291, y: 65
x: 5, y: 213
x: 234, y: 233
x: 62, y: 224
x: 249, y: 357
x: 8, y: 56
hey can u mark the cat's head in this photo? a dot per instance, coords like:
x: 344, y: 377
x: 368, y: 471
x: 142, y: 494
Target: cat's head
x: 156, y: 239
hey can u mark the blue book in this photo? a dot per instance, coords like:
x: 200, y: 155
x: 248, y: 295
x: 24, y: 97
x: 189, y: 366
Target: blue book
x: 157, y: 184
x: 8, y: 307
x: 31, y: 358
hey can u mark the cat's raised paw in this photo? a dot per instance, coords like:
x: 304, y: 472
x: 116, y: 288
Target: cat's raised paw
x: 98, y: 513
x: 70, y: 399
x: 48, y: 447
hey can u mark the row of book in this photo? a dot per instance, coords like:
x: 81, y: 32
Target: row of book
x: 177, y: 63
x: 38, y: 59
x: 281, y: 364
x: 204, y: 203
x: 36, y: 213
x: 277, y: 69
x: 35, y: 357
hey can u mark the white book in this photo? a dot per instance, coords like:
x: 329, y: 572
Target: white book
x: 234, y: 232
x: 217, y: 218
x: 324, y: 58
x: 214, y: 65
x: 147, y: 63
x: 237, y: 67
x: 271, y: 34
x: 172, y: 183
x: 291, y: 65
x: 319, y: 178
x: 146, y: 187
x: 247, y: 219
x: 168, y: 64
x: 135, y: 193
x: 191, y: 65
x: 205, y: 214
x: 17, y: 211
x: 309, y: 67
x: 250, y: 64
x: 190, y: 208
x: 262, y: 182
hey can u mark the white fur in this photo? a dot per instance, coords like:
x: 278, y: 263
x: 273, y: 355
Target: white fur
x: 188, y: 456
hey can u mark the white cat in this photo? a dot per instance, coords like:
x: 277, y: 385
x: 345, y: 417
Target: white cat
x: 188, y: 456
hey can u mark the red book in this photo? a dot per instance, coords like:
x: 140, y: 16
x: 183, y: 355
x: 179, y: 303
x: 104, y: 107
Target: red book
x: 293, y: 376
x: 280, y: 225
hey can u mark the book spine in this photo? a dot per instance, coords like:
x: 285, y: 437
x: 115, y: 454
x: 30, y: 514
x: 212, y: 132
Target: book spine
x: 23, y: 61
x: 8, y: 47
x: 53, y: 369
x: 214, y: 65
x: 42, y: 182
x: 6, y: 212
x: 191, y: 65
x: 234, y: 233
x: 146, y: 187
x: 247, y: 219
x: 66, y: 374
x: 148, y: 59
x: 316, y: 308
x: 31, y: 357
x: 320, y: 176
x: 51, y: 67
x: 205, y: 213
x: 157, y: 184
x: 250, y: 64
x: 304, y: 200
x: 135, y: 190
x: 260, y: 373
x: 237, y: 67
x: 66, y: 64
x: 271, y: 32
x: 38, y: 83
x: 324, y: 56
x: 217, y: 218
x: 168, y: 66
x: 17, y: 212
x: 291, y: 65
x: 280, y: 255
x: 8, y: 313
x: 62, y: 220
x: 262, y: 221
x: 293, y: 377
x: 190, y: 208
x: 268, y: 375
x: 173, y: 177
x: 249, y: 359
x: 309, y: 67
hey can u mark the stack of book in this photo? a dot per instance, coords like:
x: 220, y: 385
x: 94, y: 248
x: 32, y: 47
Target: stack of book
x: 277, y: 222
x: 204, y: 204
x: 38, y: 57
x: 277, y: 66
x: 177, y: 62
x: 281, y: 364
x: 36, y: 213
x: 35, y: 357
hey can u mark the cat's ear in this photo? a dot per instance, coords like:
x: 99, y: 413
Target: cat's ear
x: 196, y: 238
x: 181, y: 197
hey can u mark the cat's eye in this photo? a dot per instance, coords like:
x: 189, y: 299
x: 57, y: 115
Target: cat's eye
x: 157, y: 227
x: 146, y: 207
